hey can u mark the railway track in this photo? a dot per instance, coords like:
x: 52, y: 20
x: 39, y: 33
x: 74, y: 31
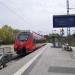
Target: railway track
x: 15, y: 57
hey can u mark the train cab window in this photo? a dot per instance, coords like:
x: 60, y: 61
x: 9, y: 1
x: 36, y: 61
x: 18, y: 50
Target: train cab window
x: 23, y: 37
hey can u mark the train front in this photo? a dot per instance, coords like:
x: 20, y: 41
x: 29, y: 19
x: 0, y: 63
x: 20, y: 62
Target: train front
x: 21, y: 42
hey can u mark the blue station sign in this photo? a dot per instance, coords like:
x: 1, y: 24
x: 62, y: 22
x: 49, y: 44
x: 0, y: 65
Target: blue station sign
x: 63, y: 21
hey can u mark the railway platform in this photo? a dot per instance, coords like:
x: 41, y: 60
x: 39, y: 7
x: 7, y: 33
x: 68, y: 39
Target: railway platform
x: 53, y: 61
x: 43, y: 61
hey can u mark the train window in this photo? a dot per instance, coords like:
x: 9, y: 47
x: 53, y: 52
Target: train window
x: 34, y: 41
x: 23, y: 37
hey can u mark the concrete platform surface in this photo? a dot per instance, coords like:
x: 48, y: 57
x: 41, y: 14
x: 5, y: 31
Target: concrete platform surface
x: 53, y: 61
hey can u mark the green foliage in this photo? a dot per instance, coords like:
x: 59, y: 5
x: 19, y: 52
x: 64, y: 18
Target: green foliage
x: 48, y: 38
x: 7, y: 34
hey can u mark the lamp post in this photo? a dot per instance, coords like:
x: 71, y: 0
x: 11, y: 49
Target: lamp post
x: 68, y: 28
x: 67, y: 14
x: 67, y: 7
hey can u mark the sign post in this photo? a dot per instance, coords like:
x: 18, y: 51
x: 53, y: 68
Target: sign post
x: 63, y: 21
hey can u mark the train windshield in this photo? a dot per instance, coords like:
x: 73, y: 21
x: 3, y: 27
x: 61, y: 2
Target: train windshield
x: 22, y: 36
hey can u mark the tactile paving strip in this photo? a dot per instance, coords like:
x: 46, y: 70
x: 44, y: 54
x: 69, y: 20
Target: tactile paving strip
x: 65, y: 70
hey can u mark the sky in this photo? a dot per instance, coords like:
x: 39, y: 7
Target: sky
x: 34, y: 15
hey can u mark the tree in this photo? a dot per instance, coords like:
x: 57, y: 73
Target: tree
x: 7, y: 34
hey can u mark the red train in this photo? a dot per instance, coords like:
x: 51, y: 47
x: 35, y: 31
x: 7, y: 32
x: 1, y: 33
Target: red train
x: 26, y: 42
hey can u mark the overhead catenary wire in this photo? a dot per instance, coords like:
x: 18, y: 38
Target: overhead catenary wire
x: 12, y: 11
